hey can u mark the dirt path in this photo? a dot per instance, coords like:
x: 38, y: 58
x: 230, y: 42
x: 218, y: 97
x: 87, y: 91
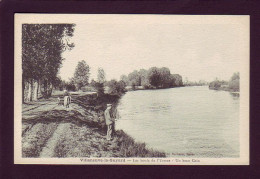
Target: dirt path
x: 45, y: 130
x: 48, y: 149
x: 35, y: 111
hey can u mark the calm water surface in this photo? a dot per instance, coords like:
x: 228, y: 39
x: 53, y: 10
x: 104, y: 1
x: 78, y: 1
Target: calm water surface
x: 183, y: 122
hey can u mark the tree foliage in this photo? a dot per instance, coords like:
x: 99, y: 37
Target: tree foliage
x: 235, y: 76
x: 57, y: 82
x: 231, y: 85
x: 177, y: 80
x: 70, y: 86
x: 99, y: 87
x: 234, y: 82
x: 215, y: 84
x: 42, y: 46
x: 101, y: 78
x: 116, y: 87
x: 134, y: 78
x: 81, y: 74
x: 152, y: 78
x: 124, y: 79
x: 144, y: 78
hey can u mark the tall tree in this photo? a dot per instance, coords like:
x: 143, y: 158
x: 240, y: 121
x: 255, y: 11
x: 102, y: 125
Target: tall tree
x: 154, y: 76
x: 124, y: 78
x: 235, y: 76
x: 42, y: 45
x: 165, y: 77
x: 234, y: 82
x: 81, y: 74
x: 177, y: 80
x: 134, y: 78
x: 144, y: 78
x: 101, y: 77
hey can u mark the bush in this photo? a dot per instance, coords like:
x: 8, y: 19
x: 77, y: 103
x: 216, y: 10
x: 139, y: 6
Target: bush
x: 70, y: 87
x: 99, y: 87
x: 232, y: 85
x: 215, y: 84
x: 116, y: 88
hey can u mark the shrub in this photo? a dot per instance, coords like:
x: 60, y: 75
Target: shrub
x: 116, y: 88
x: 99, y: 87
x: 71, y: 87
x: 232, y: 85
x: 215, y: 84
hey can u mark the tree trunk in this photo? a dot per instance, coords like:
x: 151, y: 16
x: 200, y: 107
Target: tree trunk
x: 51, y: 90
x: 29, y: 91
x: 35, y: 94
x: 39, y: 88
x: 31, y: 96
x: 45, y: 87
x: 23, y: 86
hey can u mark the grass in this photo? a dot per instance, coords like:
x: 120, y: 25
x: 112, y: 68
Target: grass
x: 129, y: 148
x: 34, y: 141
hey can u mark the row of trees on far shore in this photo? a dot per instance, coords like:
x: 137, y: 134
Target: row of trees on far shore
x: 151, y: 78
x: 154, y: 77
x: 231, y: 85
x: 195, y: 83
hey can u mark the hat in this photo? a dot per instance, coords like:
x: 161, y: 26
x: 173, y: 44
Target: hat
x: 109, y: 105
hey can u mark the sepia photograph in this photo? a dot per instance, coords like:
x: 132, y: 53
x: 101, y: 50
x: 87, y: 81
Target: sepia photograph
x: 131, y: 89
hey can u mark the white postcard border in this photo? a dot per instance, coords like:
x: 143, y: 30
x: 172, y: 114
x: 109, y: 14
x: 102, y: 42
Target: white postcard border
x: 241, y: 20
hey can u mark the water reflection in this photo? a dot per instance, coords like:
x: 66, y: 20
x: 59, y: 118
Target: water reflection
x: 235, y: 95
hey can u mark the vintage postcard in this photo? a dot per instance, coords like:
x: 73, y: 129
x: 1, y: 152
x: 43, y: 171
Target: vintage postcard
x: 131, y: 89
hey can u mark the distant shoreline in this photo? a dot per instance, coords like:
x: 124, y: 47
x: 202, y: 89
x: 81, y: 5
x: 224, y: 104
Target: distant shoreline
x: 138, y: 88
x: 141, y: 88
x: 225, y: 89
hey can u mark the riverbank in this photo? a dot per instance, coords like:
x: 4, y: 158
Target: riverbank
x: 224, y: 88
x: 49, y: 130
x: 137, y: 88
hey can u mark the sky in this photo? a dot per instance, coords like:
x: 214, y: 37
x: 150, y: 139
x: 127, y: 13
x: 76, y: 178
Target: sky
x: 196, y: 48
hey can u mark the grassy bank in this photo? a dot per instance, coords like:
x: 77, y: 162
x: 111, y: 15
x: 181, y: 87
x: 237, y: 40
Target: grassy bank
x: 53, y: 131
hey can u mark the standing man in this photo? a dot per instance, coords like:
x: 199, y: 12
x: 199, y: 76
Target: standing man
x: 67, y: 99
x: 109, y: 122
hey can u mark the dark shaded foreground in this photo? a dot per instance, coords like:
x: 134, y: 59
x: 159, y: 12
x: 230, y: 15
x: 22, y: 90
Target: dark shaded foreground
x: 79, y: 131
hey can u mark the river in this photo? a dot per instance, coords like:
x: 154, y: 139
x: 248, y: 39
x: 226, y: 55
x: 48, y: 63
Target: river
x: 183, y: 122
